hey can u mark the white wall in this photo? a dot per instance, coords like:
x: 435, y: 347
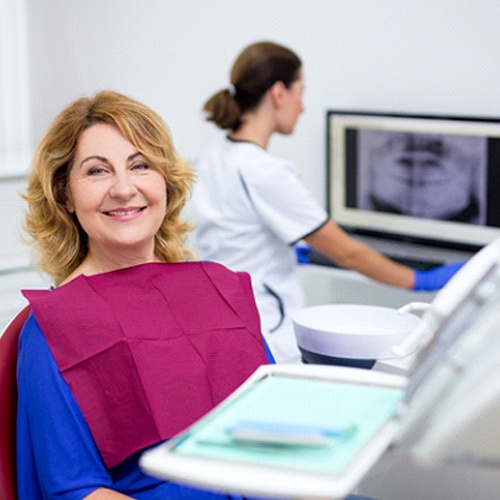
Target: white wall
x: 422, y: 56
x: 436, y: 56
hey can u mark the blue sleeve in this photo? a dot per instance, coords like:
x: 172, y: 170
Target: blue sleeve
x: 269, y: 354
x: 56, y: 453
x: 57, y: 456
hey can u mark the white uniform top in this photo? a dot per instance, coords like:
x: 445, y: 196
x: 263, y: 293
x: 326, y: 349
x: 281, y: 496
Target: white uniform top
x: 251, y: 207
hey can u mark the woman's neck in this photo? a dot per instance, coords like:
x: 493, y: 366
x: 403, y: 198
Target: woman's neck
x: 98, y: 263
x: 257, y: 127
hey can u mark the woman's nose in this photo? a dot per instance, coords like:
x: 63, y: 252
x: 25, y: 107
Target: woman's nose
x: 123, y: 187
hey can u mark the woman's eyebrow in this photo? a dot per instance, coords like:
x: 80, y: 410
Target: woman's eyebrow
x: 105, y: 160
x: 94, y: 157
x: 134, y: 155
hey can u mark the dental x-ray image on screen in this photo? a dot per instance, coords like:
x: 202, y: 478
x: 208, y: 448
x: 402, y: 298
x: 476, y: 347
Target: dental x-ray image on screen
x: 431, y: 180
x: 434, y: 176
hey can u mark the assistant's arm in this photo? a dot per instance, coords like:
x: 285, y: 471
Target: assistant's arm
x: 333, y: 242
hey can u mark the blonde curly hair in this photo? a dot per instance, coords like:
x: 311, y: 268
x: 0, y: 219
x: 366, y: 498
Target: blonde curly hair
x: 59, y: 241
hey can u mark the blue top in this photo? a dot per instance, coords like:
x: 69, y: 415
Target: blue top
x: 56, y: 454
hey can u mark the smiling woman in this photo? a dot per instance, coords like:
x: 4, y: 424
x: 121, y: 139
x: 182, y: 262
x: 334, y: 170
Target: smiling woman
x: 74, y: 156
x: 134, y: 344
x: 118, y: 197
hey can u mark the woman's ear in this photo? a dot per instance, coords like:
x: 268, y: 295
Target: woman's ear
x: 277, y: 91
x: 68, y: 202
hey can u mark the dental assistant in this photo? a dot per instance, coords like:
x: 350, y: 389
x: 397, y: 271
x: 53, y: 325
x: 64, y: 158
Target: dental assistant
x: 252, y: 207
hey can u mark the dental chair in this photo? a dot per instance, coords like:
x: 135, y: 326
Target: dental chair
x: 8, y: 405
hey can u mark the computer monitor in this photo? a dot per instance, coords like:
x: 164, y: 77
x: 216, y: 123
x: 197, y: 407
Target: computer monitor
x: 429, y: 179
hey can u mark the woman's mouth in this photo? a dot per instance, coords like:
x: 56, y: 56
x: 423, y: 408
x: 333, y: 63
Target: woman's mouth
x: 121, y: 212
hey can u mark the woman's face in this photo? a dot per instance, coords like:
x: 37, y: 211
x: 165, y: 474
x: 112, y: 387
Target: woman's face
x: 118, y: 196
x: 292, y: 106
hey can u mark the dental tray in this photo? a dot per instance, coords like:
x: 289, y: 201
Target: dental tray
x: 307, y: 430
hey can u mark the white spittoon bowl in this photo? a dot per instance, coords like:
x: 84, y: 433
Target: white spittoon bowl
x: 352, y: 331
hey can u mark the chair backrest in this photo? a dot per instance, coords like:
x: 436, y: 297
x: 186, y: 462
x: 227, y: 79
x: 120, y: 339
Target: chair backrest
x: 8, y: 405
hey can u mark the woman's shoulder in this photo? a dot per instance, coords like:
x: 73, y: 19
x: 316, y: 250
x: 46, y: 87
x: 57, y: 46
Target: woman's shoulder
x: 243, y: 156
x: 31, y: 332
x: 34, y: 355
x: 213, y: 266
x: 253, y: 159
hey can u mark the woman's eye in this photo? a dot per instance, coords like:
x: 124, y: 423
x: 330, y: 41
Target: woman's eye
x: 96, y: 171
x: 140, y: 166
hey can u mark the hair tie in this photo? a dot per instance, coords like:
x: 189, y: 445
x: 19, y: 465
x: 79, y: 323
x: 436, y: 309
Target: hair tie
x: 231, y: 90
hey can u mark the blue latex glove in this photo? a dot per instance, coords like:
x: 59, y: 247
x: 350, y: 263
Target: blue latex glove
x: 302, y: 254
x: 436, y: 278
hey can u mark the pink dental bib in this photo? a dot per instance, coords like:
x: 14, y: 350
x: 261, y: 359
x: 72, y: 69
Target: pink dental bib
x: 148, y: 350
